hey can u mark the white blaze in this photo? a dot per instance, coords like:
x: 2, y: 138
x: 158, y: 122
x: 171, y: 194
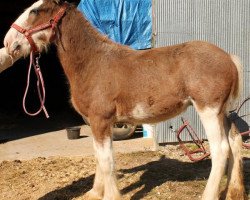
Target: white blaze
x: 22, y: 19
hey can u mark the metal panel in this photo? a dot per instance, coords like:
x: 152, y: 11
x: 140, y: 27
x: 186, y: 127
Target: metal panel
x: 222, y: 22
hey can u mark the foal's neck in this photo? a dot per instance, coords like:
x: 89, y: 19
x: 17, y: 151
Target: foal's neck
x: 78, y: 42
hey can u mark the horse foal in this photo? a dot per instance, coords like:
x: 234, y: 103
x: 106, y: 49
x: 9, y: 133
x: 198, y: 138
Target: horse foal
x: 112, y: 83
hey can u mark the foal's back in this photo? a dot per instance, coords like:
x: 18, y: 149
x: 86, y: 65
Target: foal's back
x: 160, y: 83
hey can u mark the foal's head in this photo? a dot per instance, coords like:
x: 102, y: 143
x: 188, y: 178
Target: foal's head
x: 42, y: 11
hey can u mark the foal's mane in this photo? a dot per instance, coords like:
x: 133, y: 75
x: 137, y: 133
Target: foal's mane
x: 77, y: 20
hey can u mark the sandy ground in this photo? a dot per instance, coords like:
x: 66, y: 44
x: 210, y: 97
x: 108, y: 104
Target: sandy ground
x: 51, y: 167
x: 57, y: 144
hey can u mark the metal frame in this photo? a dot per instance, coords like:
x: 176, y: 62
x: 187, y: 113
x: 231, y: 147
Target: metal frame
x: 199, y: 142
x: 196, y: 140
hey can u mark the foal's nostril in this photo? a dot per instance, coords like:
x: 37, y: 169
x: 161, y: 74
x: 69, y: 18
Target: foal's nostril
x: 16, y: 46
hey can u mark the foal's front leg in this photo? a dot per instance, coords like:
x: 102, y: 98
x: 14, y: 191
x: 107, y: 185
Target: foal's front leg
x: 105, y: 185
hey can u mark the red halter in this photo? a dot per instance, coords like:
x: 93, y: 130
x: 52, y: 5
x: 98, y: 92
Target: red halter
x: 50, y: 24
x: 34, y: 60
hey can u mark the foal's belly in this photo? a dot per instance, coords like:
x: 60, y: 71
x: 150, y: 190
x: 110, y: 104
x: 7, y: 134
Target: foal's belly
x: 159, y: 111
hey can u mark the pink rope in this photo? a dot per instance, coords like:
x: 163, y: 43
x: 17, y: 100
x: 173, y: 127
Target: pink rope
x: 40, y: 88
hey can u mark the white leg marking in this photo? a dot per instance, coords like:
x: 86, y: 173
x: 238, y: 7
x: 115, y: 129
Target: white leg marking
x: 236, y: 189
x: 106, y: 170
x: 219, y: 148
x: 98, y: 188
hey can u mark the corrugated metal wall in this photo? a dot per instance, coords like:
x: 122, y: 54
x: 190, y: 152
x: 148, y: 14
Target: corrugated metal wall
x: 225, y: 23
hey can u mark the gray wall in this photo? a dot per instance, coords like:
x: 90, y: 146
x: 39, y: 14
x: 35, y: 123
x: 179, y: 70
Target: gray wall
x: 225, y: 23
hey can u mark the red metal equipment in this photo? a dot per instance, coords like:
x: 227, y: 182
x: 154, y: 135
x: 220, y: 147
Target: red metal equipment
x: 245, y: 144
x: 199, y: 143
x: 200, y: 149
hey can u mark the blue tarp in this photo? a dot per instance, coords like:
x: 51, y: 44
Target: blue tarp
x: 127, y: 22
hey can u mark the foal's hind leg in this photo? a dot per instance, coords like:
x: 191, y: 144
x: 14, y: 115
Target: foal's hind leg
x: 105, y: 186
x: 235, y: 185
x: 213, y: 123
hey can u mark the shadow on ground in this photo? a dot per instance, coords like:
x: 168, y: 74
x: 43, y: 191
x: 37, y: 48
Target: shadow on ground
x: 155, y: 174
x: 76, y: 189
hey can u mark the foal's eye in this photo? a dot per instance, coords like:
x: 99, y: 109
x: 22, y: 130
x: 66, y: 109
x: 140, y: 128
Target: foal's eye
x: 34, y: 11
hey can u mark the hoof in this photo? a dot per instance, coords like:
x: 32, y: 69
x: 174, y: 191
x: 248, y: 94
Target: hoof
x: 93, y: 195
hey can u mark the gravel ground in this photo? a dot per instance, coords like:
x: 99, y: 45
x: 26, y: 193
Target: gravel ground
x: 163, y: 174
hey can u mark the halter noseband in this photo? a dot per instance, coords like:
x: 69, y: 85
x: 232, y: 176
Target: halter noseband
x: 52, y: 23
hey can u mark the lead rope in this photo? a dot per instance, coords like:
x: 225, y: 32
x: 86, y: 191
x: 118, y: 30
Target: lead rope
x: 40, y: 88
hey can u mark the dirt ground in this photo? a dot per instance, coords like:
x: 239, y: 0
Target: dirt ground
x: 142, y: 173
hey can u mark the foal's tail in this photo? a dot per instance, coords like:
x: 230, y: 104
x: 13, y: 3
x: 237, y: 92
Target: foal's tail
x: 238, y: 86
x: 235, y: 185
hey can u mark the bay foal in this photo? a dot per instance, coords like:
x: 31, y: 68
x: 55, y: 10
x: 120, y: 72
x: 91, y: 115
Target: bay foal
x: 112, y: 83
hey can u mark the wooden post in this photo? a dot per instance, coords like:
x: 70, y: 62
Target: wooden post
x: 6, y: 60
